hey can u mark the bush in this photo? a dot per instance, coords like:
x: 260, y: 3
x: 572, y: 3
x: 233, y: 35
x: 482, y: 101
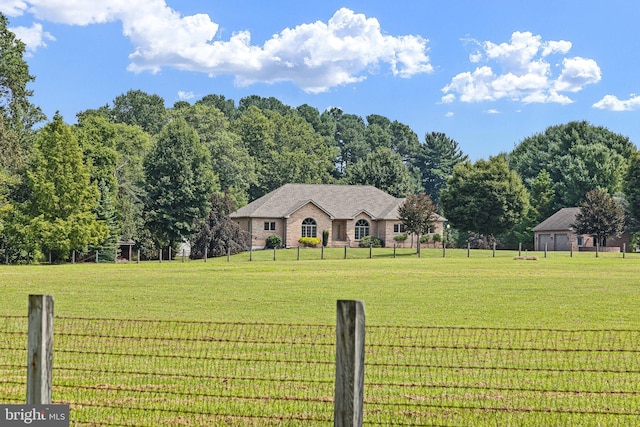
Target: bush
x: 273, y: 241
x: 325, y: 238
x: 368, y: 241
x: 309, y: 241
x: 425, y: 238
x: 401, y: 237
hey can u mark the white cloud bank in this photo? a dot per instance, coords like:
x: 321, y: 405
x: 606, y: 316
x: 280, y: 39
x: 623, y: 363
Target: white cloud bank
x: 612, y: 103
x: 314, y: 56
x: 524, y: 75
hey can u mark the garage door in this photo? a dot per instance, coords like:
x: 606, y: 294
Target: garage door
x: 544, y: 239
x: 561, y: 242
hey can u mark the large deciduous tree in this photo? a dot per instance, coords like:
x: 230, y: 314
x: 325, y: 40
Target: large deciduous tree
x: 600, y: 215
x: 139, y: 108
x: 230, y: 159
x: 484, y: 197
x: 179, y: 182
x: 61, y: 209
x: 578, y: 157
x: 385, y: 170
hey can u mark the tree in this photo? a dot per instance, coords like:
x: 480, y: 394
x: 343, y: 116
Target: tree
x: 600, y: 215
x: 139, y: 108
x: 179, y: 182
x: 227, y: 106
x: 385, y: 170
x: 285, y: 148
x: 219, y: 232
x: 230, y: 159
x: 417, y: 213
x: 106, y: 214
x: 61, y: 209
x: 436, y: 159
x: 17, y: 114
x: 632, y: 186
x: 578, y: 157
x: 484, y: 197
x: 542, y: 197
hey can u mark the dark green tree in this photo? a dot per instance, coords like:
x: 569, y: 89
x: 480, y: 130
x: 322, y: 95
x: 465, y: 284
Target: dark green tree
x: 600, y: 215
x: 219, y: 233
x: 578, y: 157
x: 227, y: 106
x: 542, y: 197
x: 230, y: 159
x: 139, y: 108
x: 436, y: 159
x: 179, y: 183
x: 385, y: 170
x: 484, y: 197
x: 632, y: 186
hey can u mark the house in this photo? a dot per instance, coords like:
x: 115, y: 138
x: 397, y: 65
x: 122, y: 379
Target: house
x: 557, y: 233
x: 347, y: 212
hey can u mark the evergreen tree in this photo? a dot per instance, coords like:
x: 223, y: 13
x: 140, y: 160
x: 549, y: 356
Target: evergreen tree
x: 63, y: 200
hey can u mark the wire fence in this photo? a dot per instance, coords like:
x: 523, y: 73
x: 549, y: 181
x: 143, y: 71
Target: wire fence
x: 148, y: 373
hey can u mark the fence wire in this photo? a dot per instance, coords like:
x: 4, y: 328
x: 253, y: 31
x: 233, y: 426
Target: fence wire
x: 150, y: 373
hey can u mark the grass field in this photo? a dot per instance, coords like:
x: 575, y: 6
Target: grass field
x: 567, y: 357
x: 558, y: 291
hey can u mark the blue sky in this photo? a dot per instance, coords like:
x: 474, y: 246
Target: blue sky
x: 486, y: 73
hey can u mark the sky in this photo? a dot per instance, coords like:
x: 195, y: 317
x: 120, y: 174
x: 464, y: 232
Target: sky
x: 487, y: 73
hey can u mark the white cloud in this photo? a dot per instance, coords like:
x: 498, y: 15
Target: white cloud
x: 185, y: 95
x: 33, y: 37
x: 13, y: 7
x: 449, y: 114
x: 492, y: 111
x: 612, y: 103
x: 315, y: 56
x: 519, y: 71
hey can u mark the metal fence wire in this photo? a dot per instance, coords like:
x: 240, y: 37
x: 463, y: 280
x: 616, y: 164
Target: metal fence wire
x: 149, y: 373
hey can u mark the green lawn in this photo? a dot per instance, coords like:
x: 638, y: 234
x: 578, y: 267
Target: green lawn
x: 558, y: 291
x: 274, y: 366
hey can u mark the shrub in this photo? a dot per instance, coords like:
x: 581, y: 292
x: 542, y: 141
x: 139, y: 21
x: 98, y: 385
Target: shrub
x: 309, y: 241
x: 273, y: 241
x: 401, y: 237
x: 425, y: 238
x: 325, y: 238
x: 367, y: 241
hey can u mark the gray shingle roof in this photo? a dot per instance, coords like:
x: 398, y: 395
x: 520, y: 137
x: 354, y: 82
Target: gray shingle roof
x: 338, y: 201
x: 561, y: 220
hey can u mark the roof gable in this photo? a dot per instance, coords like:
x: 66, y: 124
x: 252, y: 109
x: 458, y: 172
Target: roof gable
x: 338, y: 201
x: 561, y: 220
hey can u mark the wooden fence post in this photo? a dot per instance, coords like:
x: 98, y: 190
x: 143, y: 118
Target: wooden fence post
x: 40, y: 350
x: 206, y: 249
x: 468, y: 250
x: 349, y: 382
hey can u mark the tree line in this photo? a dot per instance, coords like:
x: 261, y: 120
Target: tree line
x: 136, y: 170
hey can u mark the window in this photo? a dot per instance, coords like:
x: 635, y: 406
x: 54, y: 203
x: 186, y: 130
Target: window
x: 580, y: 241
x: 362, y: 229
x: 398, y: 228
x: 269, y: 226
x: 309, y: 228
